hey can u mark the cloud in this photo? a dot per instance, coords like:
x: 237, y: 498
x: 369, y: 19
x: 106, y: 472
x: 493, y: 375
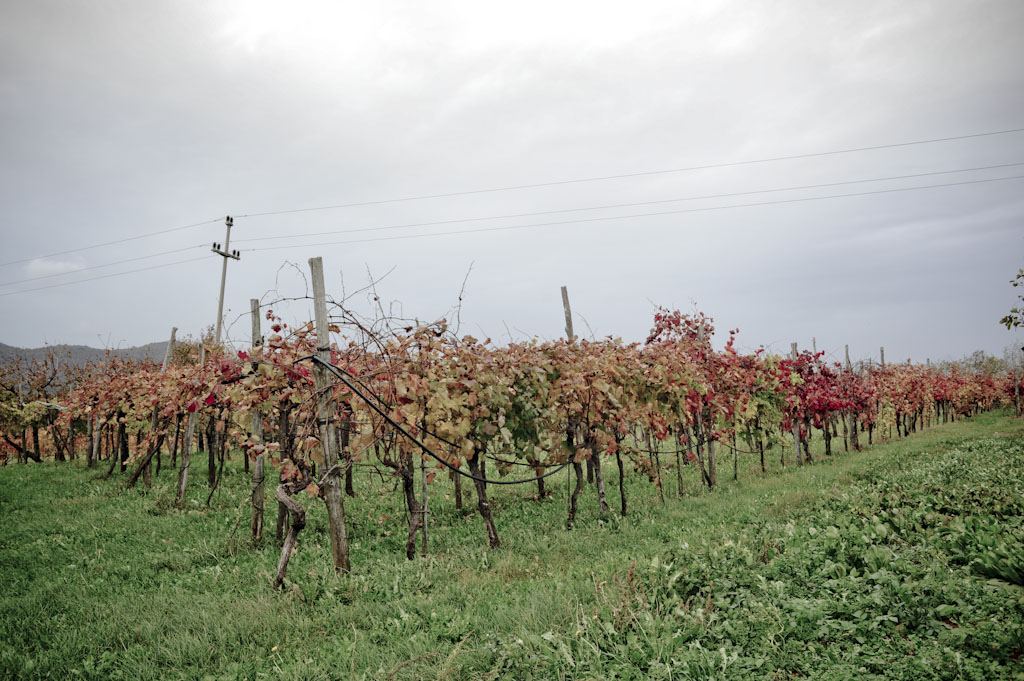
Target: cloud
x: 121, y: 121
x: 42, y: 267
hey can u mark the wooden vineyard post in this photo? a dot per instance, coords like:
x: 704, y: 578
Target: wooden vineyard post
x: 796, y: 422
x: 709, y: 425
x: 186, y: 445
x: 186, y: 457
x: 333, y: 495
x: 89, y: 452
x: 569, y: 335
x: 423, y: 513
x: 96, y: 434
x: 1016, y: 394
x: 256, y: 427
x: 826, y: 418
x: 852, y: 415
x: 1016, y: 389
x: 703, y: 428
x: 146, y: 475
x: 146, y: 464
x: 881, y: 352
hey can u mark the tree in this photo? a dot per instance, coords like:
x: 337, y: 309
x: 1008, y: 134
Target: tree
x: 1016, y: 316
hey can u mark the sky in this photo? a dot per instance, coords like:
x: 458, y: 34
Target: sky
x: 691, y: 155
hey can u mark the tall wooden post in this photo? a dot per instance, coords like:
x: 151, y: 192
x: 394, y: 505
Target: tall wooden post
x: 796, y: 422
x: 424, y: 512
x: 569, y: 335
x: 1016, y: 393
x: 186, y: 445
x: 707, y: 424
x: 333, y: 494
x: 851, y: 415
x: 256, y: 429
x: 1016, y: 389
x: 94, y: 439
x: 147, y: 479
x: 145, y: 466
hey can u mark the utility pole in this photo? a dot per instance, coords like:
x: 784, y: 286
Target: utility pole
x: 190, y: 428
x: 224, y: 253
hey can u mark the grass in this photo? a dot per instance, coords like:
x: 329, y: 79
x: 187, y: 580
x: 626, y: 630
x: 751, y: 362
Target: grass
x: 903, y: 561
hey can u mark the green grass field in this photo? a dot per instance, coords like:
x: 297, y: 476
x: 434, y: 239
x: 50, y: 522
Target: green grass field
x: 905, y: 561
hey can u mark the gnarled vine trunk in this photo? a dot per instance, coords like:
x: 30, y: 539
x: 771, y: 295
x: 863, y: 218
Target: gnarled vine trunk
x: 602, y: 499
x: 574, y: 499
x: 482, y: 504
x: 622, y: 483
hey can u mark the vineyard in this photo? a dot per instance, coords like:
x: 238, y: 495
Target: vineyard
x: 441, y: 415
x: 660, y: 509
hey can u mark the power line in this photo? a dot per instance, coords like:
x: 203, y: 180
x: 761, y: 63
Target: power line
x: 710, y: 166
x: 111, y: 243
x: 105, y: 276
x: 528, y: 186
x: 96, y: 267
x: 625, y: 205
x: 635, y: 215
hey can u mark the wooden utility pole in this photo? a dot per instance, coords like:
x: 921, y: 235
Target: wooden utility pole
x: 568, y: 314
x: 881, y: 351
x: 333, y: 495
x: 256, y: 428
x: 852, y: 416
x: 224, y: 253
x: 796, y: 422
x: 190, y: 428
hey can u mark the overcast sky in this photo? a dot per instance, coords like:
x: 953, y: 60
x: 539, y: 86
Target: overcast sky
x: 119, y: 119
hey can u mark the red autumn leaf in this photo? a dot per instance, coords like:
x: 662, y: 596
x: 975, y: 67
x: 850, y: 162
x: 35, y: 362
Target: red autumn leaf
x: 289, y: 471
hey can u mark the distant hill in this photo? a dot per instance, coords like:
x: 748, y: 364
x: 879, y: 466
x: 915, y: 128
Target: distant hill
x: 82, y: 354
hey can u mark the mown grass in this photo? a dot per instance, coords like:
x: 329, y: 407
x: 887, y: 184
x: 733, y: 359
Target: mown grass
x: 897, y: 562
